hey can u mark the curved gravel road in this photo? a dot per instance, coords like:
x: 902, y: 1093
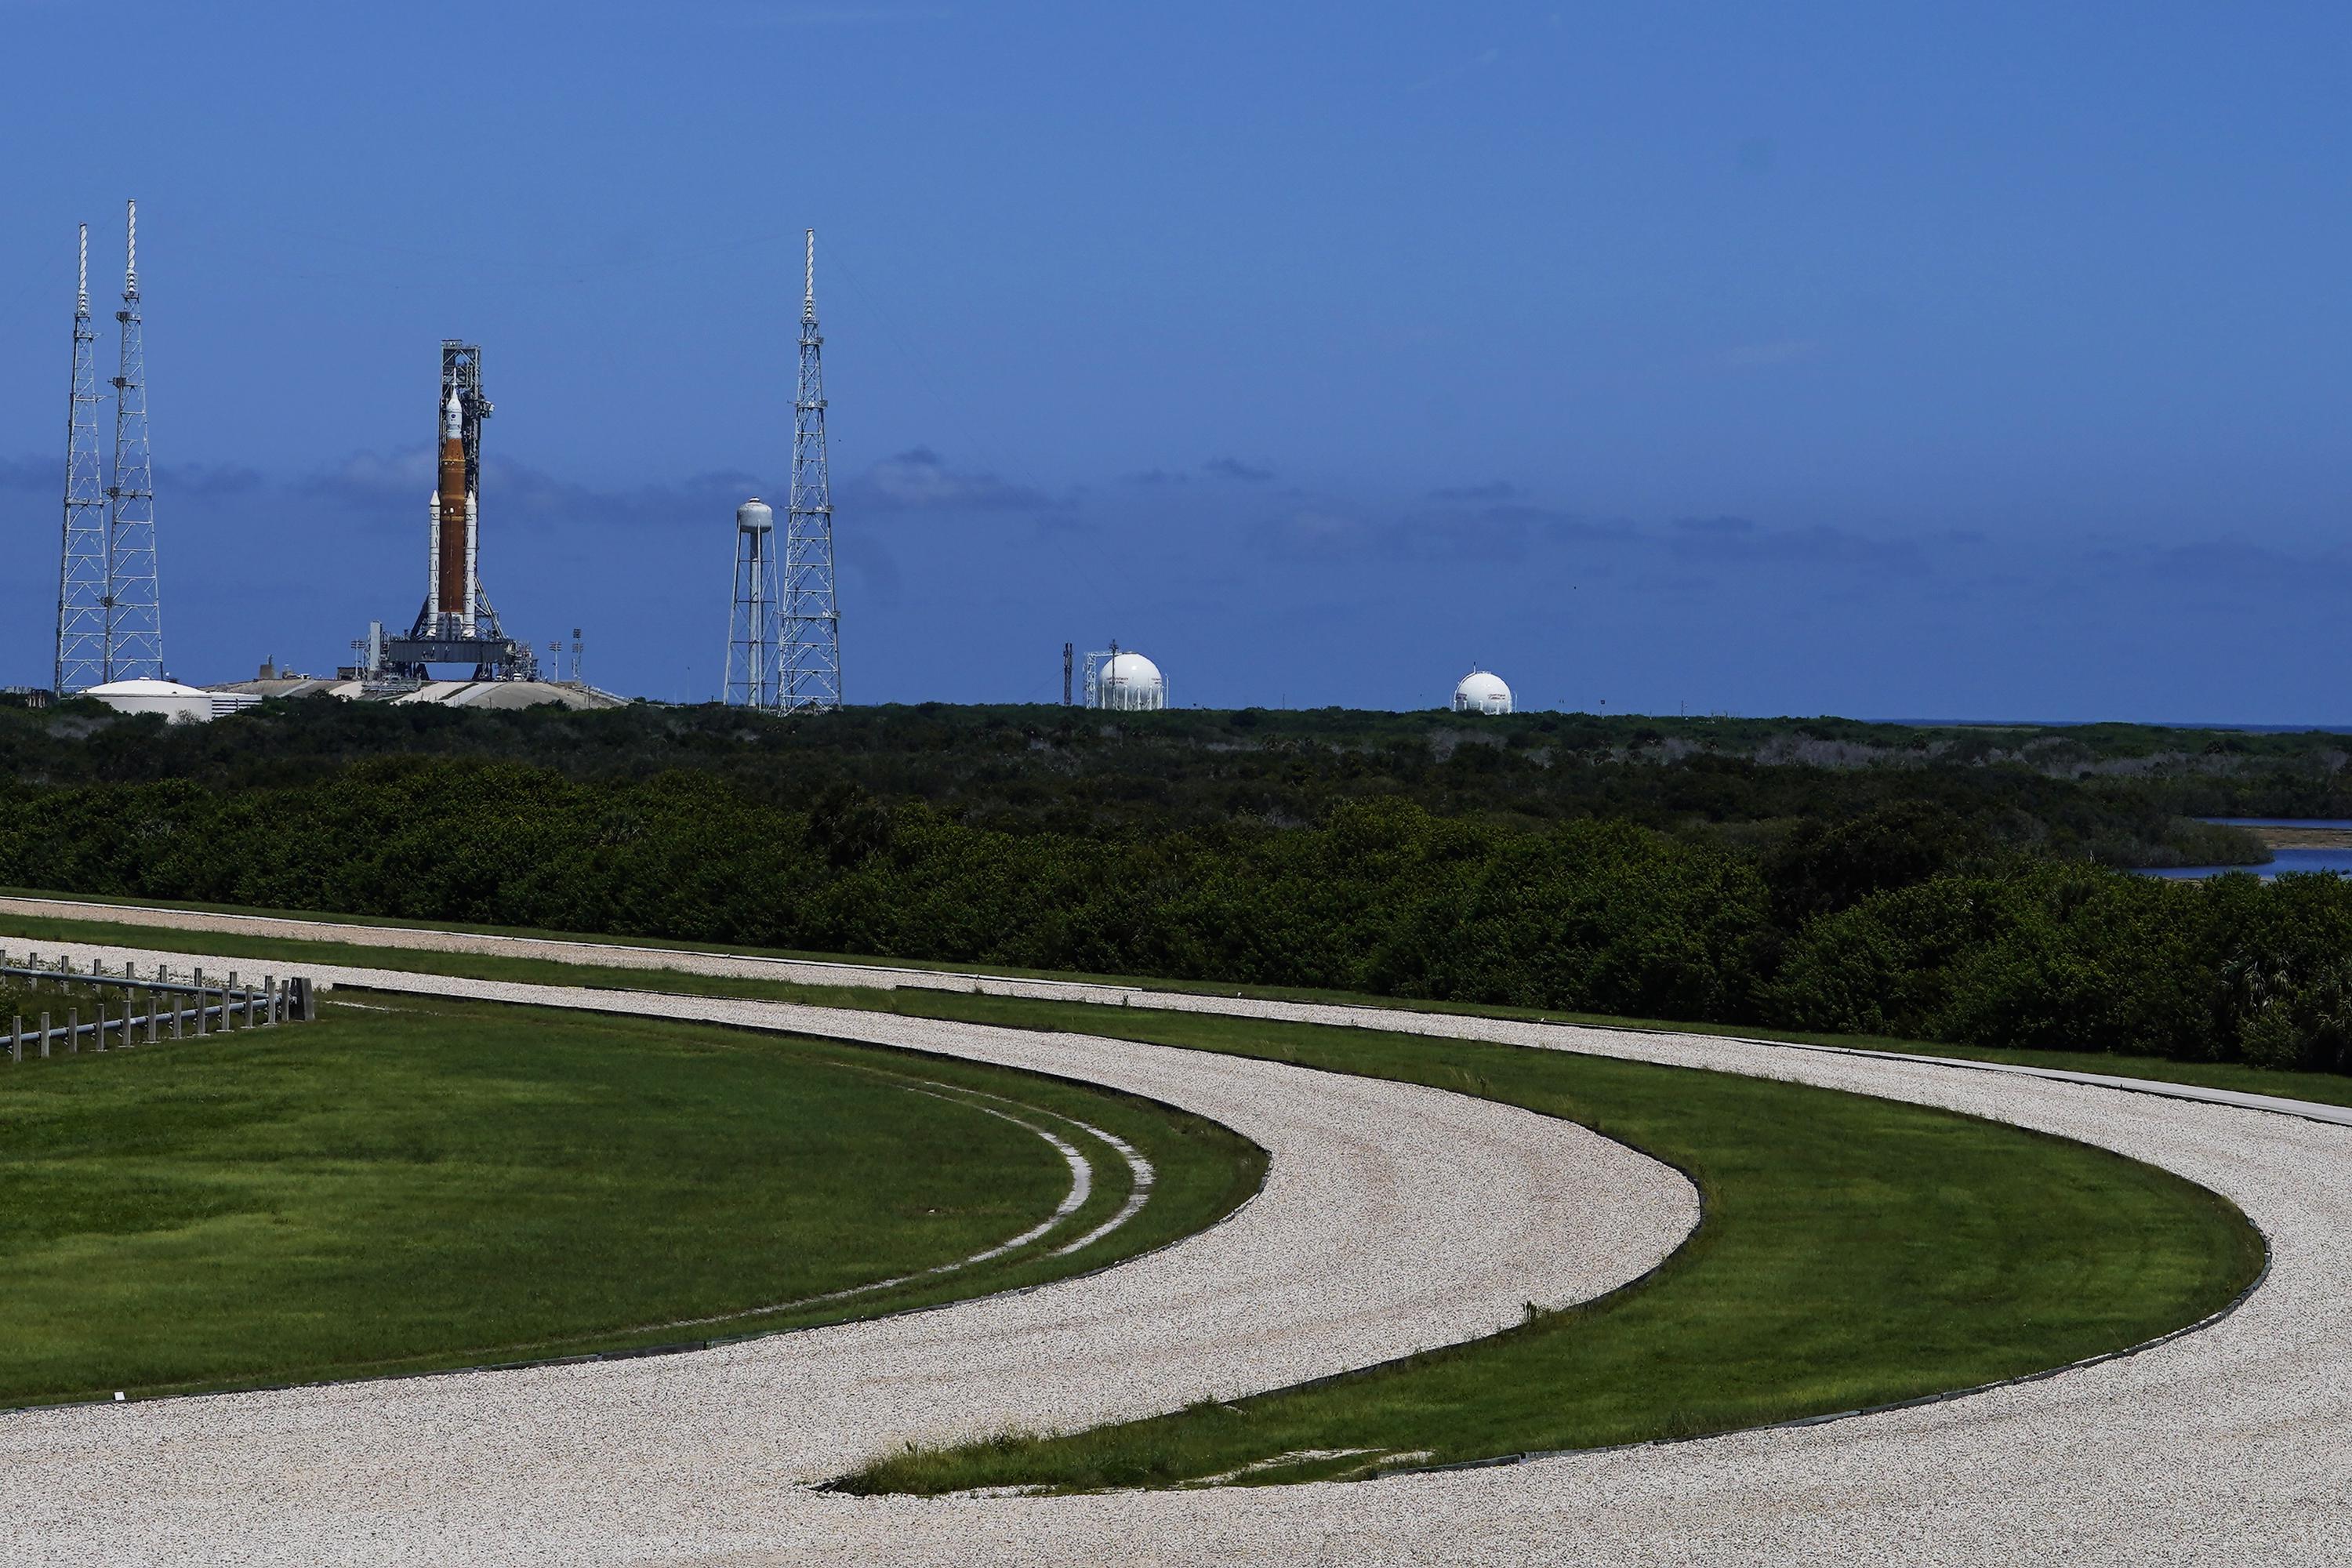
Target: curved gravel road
x: 1394, y: 1218
x: 2232, y: 1445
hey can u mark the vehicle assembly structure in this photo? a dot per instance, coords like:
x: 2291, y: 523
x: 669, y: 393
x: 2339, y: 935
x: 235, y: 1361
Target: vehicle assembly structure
x: 457, y: 624
x: 110, y: 601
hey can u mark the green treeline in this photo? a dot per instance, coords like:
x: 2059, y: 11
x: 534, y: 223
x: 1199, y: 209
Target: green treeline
x: 2118, y: 794
x: 1906, y: 918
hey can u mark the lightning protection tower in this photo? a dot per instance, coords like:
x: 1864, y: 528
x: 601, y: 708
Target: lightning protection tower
x: 81, y: 576
x: 753, y: 636
x: 134, y: 602
x: 809, y: 676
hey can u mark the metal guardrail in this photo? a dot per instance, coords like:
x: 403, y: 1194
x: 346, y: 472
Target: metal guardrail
x: 233, y: 1003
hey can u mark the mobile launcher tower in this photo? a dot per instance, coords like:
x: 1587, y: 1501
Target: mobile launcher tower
x: 457, y: 624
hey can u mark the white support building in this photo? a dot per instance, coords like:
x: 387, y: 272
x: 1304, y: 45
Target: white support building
x: 179, y: 704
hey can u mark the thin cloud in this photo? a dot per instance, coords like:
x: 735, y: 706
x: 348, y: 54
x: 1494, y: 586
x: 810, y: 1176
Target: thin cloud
x: 1235, y: 469
x: 206, y: 479
x: 920, y: 479
x: 1713, y: 541
x: 1496, y: 490
x: 33, y: 474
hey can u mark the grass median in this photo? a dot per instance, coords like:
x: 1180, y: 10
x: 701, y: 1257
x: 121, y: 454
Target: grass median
x: 1855, y: 1251
x: 413, y: 1182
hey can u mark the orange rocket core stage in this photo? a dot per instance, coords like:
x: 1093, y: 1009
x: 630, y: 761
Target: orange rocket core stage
x: 453, y: 525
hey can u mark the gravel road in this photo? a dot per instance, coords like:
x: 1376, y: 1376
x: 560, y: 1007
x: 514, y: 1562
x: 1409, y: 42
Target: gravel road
x: 1394, y: 1218
x: 2232, y: 1445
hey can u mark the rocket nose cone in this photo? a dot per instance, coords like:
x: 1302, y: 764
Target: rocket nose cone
x: 453, y: 418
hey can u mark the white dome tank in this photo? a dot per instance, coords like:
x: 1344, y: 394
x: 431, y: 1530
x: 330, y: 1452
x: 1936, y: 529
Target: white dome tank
x: 1130, y: 682
x: 1481, y: 691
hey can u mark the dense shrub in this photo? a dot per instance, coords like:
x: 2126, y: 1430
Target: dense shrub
x: 1906, y: 921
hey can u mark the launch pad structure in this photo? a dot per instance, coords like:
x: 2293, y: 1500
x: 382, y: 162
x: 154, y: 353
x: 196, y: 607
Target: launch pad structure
x: 457, y: 624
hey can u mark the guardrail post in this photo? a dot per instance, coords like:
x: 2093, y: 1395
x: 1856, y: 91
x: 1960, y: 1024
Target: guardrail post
x: 100, y: 1035
x: 16, y: 1040
x: 179, y: 1013
x: 44, y: 1037
x: 148, y: 997
x: 73, y: 1031
x: 203, y: 1018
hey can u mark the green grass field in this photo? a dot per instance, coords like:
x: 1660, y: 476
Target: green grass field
x: 2329, y: 1088
x: 1855, y: 1251
x: 412, y: 1183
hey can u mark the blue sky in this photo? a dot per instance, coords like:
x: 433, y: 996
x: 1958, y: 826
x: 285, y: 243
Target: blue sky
x: 1898, y: 361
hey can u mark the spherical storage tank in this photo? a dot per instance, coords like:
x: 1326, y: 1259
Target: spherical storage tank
x: 1130, y: 682
x: 1481, y: 691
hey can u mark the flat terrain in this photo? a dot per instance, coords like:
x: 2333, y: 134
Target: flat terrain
x: 1981, y: 1252
x: 418, y: 1182
x: 2223, y: 1446
x: 1854, y: 1252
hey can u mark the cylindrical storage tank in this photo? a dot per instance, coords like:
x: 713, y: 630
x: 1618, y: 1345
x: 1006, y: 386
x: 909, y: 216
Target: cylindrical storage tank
x: 1481, y: 691
x: 1130, y: 682
x: 755, y: 516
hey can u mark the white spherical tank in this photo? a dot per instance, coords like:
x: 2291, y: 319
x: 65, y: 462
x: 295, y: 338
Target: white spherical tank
x: 1130, y: 682
x: 1481, y: 691
x: 755, y: 516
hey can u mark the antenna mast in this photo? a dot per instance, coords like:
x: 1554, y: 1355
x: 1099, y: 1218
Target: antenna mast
x: 809, y: 673
x: 134, y: 604
x: 81, y: 573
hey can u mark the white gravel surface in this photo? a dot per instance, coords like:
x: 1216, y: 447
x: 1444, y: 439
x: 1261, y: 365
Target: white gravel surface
x: 1394, y: 1218
x: 2233, y: 1444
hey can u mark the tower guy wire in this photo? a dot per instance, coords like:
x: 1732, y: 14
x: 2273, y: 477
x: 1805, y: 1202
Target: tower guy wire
x: 135, y: 603
x: 81, y: 574
x: 809, y: 659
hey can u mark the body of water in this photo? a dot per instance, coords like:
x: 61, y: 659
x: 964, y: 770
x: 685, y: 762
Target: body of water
x: 2336, y: 861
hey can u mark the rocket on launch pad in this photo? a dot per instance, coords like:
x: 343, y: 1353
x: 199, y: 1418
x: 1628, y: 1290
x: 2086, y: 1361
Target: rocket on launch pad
x: 457, y: 624
x: 456, y: 517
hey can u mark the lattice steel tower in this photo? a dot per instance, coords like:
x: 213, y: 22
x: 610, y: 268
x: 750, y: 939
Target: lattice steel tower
x: 809, y: 663
x: 753, y: 639
x: 134, y: 602
x: 81, y: 574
